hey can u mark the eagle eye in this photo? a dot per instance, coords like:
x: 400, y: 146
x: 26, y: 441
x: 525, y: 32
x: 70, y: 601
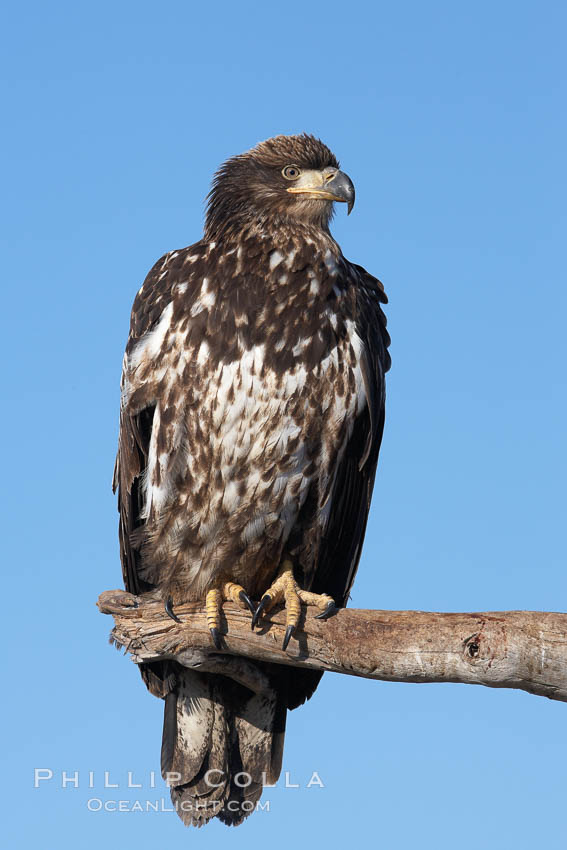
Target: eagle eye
x: 291, y: 172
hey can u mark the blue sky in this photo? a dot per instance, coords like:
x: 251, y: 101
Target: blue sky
x: 450, y: 119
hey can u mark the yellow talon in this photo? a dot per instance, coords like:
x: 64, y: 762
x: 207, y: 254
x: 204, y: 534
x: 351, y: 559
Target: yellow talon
x: 232, y: 591
x: 292, y: 600
x: 213, y: 605
x: 284, y: 588
x: 320, y: 600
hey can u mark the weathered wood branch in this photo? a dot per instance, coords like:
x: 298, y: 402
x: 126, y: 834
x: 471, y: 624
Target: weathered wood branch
x: 502, y: 649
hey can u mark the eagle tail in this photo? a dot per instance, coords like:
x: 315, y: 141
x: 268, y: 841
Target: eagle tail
x: 222, y: 742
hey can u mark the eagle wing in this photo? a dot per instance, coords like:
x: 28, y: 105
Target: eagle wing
x: 340, y: 545
x: 136, y: 421
x: 341, y: 542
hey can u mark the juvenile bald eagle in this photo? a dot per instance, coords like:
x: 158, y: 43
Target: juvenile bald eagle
x: 250, y: 424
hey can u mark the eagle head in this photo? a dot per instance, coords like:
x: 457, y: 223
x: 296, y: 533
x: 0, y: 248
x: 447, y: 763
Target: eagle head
x: 284, y: 180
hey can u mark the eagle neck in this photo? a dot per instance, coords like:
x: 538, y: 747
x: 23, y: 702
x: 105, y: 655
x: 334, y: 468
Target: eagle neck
x: 278, y: 236
x: 242, y: 225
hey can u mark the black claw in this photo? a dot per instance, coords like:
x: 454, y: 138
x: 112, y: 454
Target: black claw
x: 288, y: 633
x: 216, y: 638
x: 264, y: 601
x: 328, y: 612
x: 247, y: 601
x: 169, y: 610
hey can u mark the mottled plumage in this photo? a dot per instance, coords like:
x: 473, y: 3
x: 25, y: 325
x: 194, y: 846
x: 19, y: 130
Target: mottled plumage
x: 251, y: 419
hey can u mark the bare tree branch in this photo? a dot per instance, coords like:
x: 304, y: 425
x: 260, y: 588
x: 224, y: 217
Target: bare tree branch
x: 502, y: 649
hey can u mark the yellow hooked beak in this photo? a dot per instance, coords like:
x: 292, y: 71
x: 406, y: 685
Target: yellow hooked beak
x: 330, y: 184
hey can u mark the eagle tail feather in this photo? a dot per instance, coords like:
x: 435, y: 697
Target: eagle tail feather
x: 221, y: 744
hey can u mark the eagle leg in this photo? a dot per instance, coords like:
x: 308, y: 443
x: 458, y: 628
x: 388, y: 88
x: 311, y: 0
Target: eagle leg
x: 226, y: 591
x: 285, y: 589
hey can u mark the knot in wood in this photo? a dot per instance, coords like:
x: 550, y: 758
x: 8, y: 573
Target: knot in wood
x: 472, y: 647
